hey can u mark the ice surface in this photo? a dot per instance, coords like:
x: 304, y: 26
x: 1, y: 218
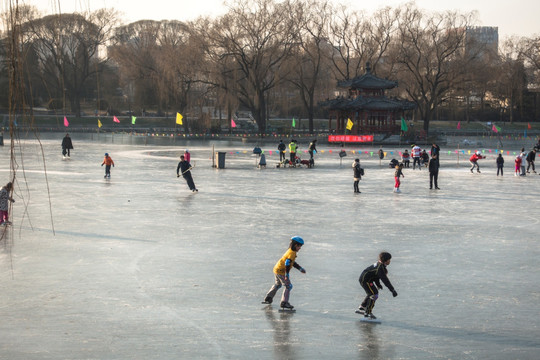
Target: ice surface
x: 139, y: 267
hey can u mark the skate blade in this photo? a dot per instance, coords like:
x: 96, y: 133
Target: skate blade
x: 373, y: 321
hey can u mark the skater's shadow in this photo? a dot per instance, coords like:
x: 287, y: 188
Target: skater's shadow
x: 368, y: 347
x: 282, y: 333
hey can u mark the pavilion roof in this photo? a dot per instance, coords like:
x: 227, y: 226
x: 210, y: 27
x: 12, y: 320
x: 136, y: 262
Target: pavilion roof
x: 368, y: 81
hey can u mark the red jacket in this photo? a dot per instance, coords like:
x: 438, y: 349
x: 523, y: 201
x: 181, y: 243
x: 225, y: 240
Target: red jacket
x: 475, y: 157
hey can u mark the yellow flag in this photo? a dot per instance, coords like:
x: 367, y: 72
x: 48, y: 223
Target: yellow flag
x: 179, y: 118
x: 349, y: 124
x: 99, y: 123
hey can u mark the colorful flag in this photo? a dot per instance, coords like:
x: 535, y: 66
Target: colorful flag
x: 233, y: 124
x: 529, y: 126
x: 115, y: 119
x: 495, y: 128
x: 66, y: 122
x: 459, y: 125
x: 293, y: 122
x: 349, y: 124
x: 133, y: 119
x: 179, y: 118
x: 99, y: 124
x: 404, y: 125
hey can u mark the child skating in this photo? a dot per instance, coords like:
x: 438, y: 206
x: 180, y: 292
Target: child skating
x: 370, y: 282
x: 281, y: 273
x: 517, y: 171
x: 474, y: 161
x: 397, y: 175
x: 5, y: 198
x: 107, y: 161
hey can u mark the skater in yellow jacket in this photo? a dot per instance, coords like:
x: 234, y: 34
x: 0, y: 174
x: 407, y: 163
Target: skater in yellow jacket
x: 281, y: 273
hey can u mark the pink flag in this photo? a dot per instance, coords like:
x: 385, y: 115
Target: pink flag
x: 115, y: 119
x: 233, y: 124
x: 494, y: 128
x: 459, y: 125
x: 66, y: 122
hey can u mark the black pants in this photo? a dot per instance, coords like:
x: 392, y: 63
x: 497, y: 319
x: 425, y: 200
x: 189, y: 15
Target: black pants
x: 189, y: 180
x: 66, y: 151
x: 293, y: 157
x: 372, y: 293
x: 416, y: 160
x: 500, y: 168
x: 433, y: 176
x: 356, y: 189
x: 107, y: 170
x: 281, y: 156
x: 529, y: 164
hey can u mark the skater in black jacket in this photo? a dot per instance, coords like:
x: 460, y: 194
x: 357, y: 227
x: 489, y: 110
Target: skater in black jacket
x: 357, y: 170
x: 67, y: 145
x: 184, y: 169
x: 370, y: 281
x: 500, y: 164
x: 433, y: 167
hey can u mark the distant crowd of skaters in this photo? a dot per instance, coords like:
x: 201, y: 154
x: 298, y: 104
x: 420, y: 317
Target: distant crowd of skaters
x: 524, y: 162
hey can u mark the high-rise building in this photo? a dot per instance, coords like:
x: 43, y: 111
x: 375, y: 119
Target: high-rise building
x: 482, y: 41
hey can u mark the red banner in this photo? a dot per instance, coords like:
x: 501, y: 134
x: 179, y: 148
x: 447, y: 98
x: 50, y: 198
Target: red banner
x: 350, y: 138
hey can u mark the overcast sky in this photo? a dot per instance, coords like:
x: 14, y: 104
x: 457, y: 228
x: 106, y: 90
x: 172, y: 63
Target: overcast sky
x: 515, y: 17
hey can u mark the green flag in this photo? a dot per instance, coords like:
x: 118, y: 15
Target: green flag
x: 133, y: 118
x: 293, y: 122
x: 404, y: 125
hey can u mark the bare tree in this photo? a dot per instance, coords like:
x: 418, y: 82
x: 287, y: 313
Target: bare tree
x: 255, y: 36
x: 431, y: 55
x: 530, y: 50
x: 358, y: 39
x: 67, y: 50
x: 306, y: 66
x: 511, y: 79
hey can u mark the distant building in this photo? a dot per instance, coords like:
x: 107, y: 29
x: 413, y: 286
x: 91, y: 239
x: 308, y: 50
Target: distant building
x: 482, y: 41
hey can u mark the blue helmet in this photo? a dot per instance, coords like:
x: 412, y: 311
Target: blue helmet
x: 106, y: 154
x: 298, y: 240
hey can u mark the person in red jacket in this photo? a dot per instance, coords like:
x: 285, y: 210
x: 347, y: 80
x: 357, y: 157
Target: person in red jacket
x: 517, y: 171
x: 474, y: 160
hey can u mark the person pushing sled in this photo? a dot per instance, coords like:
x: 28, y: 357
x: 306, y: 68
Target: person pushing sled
x: 281, y: 273
x: 370, y: 282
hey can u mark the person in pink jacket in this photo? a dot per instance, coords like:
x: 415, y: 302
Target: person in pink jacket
x: 474, y: 160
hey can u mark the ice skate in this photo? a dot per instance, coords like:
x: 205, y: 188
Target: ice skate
x: 370, y: 316
x: 398, y: 191
x: 360, y: 310
x: 286, y: 306
x: 267, y: 300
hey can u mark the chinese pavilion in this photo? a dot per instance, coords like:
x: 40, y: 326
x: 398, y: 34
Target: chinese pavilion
x: 370, y: 110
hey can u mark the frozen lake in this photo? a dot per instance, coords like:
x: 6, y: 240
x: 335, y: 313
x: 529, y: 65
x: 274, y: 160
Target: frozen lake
x: 139, y: 267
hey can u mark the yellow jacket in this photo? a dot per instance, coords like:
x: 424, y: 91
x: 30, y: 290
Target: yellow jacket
x: 280, y: 265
